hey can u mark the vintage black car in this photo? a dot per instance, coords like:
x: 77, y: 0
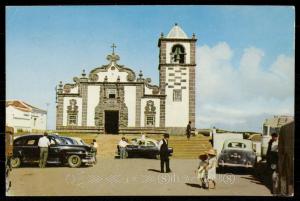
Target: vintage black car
x: 147, y: 148
x: 26, y: 150
x: 237, y: 153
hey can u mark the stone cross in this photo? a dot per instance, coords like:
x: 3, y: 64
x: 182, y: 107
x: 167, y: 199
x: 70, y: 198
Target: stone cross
x: 113, y: 47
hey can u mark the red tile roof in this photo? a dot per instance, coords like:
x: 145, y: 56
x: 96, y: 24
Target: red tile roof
x: 20, y: 105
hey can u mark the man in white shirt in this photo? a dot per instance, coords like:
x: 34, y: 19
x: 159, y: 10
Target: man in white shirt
x: 43, y: 144
x: 95, y: 146
x: 143, y: 138
x: 122, y: 147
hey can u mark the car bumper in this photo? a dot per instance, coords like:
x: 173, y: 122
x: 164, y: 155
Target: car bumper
x: 88, y: 160
x: 235, y: 165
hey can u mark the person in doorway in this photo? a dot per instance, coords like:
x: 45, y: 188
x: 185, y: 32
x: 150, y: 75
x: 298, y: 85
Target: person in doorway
x: 95, y: 147
x: 122, y: 147
x: 211, y: 168
x: 43, y: 145
x: 164, y: 154
x: 188, y: 130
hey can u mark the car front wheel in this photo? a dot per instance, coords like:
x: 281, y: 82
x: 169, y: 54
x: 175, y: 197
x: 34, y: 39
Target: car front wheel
x: 15, y: 162
x: 74, y: 161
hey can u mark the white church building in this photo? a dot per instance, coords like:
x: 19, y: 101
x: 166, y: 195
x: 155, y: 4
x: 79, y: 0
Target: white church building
x: 114, y: 99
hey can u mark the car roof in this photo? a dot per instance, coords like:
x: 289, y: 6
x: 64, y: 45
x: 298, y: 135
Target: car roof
x: 33, y: 135
x: 147, y: 139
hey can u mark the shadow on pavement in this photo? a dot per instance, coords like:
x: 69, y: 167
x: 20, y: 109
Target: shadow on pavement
x: 194, y: 185
x: 236, y: 170
x: 153, y: 170
x: 34, y: 165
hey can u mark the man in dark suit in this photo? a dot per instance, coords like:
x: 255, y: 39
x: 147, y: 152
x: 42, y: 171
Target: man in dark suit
x: 164, y: 154
x: 188, y: 130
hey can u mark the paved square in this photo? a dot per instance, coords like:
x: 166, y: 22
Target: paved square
x: 128, y: 177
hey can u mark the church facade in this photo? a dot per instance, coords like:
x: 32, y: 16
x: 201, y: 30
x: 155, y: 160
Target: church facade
x: 114, y: 99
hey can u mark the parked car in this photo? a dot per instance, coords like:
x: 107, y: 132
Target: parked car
x: 26, y: 150
x: 149, y: 148
x: 237, y: 153
x: 79, y: 141
x: 69, y: 140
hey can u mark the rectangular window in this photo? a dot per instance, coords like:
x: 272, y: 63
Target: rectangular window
x: 150, y: 120
x: 72, y: 120
x: 111, y: 93
x: 30, y: 142
x: 177, y: 95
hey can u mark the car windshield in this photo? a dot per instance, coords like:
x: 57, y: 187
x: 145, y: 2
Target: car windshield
x: 59, y: 140
x: 236, y: 145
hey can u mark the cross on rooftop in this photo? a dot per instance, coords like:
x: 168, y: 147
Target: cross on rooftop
x: 113, y: 47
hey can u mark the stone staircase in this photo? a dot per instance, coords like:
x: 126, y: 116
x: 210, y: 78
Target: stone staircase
x: 182, y: 148
x: 188, y: 149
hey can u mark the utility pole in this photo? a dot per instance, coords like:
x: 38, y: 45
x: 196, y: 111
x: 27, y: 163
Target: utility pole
x: 47, y: 104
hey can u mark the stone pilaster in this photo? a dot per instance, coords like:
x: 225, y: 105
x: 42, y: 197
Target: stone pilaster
x: 162, y: 80
x: 162, y: 112
x: 139, y: 94
x: 59, y: 111
x: 193, y: 52
x: 192, y: 91
x: 162, y: 52
x: 84, y: 95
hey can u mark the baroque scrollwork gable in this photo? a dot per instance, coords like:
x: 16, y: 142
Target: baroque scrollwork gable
x: 113, y: 58
x: 155, y: 88
x: 67, y: 87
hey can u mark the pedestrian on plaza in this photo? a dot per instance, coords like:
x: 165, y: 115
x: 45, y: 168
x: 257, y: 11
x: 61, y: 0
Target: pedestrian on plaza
x: 272, y: 159
x: 211, y: 168
x: 272, y: 151
x: 188, y: 130
x: 164, y: 154
x: 143, y: 138
x: 95, y: 147
x: 43, y: 145
x: 122, y: 147
x: 202, y: 170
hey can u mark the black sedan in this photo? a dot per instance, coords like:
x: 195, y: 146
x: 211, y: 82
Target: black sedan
x: 139, y: 148
x: 26, y: 150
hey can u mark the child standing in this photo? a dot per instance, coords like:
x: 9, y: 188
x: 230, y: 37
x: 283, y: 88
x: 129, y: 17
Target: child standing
x: 202, y: 171
x: 211, y: 168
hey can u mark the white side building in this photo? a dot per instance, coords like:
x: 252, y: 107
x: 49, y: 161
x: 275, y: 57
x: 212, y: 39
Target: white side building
x: 24, y: 117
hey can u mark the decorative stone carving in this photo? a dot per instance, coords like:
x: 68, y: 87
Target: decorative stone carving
x: 93, y: 77
x: 155, y: 89
x: 72, y: 110
x: 150, y: 108
x: 150, y: 114
x: 116, y: 104
x: 113, y: 58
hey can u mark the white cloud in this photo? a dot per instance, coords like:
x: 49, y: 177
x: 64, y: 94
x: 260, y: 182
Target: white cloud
x: 240, y: 97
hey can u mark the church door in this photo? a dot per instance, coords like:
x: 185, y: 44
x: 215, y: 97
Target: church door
x: 111, y: 122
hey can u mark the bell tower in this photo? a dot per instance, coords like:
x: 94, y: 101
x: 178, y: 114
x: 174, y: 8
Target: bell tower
x: 177, y: 65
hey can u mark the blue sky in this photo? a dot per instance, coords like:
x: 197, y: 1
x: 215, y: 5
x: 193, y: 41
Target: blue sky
x: 45, y: 45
